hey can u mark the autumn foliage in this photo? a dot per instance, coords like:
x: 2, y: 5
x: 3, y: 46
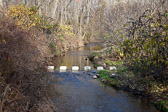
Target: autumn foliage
x: 23, y: 54
x: 146, y: 44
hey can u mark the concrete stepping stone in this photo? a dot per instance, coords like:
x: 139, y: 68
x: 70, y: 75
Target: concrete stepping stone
x: 112, y: 68
x: 75, y: 68
x: 100, y: 68
x: 63, y: 68
x: 87, y: 68
x: 50, y: 67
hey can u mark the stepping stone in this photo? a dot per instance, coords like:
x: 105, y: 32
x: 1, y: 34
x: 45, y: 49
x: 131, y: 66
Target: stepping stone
x: 50, y: 67
x: 100, y: 68
x: 113, y: 68
x: 63, y: 68
x: 75, y: 68
x: 87, y: 68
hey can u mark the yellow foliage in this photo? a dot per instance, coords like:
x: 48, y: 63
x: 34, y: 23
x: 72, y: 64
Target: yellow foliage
x: 24, y: 17
x: 65, y: 30
x: 122, y: 54
x: 4, y: 41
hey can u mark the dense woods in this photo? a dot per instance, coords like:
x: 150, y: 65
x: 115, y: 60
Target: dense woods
x: 31, y: 31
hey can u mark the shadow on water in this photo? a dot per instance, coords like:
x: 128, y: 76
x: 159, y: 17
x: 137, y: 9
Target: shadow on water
x: 78, y: 92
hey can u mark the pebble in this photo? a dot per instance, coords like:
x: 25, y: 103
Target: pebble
x: 98, y: 75
x: 89, y: 74
x: 94, y: 77
x: 113, y: 75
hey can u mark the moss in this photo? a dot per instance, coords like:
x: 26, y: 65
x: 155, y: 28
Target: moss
x: 96, y: 65
x: 119, y: 62
x: 105, y: 78
x: 93, y: 55
x: 104, y: 74
x: 108, y: 62
x: 122, y: 70
x: 115, y: 63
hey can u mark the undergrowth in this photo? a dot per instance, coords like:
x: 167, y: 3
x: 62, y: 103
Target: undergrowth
x: 23, y: 54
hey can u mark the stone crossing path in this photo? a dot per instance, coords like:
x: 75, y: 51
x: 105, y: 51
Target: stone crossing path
x: 77, y: 68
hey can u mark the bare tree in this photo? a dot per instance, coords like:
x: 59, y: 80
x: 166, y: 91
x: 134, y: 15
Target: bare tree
x: 1, y: 4
x: 93, y: 17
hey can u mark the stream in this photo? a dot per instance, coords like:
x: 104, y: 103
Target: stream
x: 78, y: 92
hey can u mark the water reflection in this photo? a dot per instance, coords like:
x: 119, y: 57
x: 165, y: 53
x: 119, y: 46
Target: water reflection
x: 77, y: 57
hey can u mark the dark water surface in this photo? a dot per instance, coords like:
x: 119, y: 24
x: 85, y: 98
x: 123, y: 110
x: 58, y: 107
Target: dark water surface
x: 78, y: 92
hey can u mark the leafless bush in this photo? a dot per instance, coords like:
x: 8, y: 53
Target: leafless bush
x: 22, y: 61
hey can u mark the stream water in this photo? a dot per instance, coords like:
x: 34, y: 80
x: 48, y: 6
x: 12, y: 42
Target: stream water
x: 78, y: 92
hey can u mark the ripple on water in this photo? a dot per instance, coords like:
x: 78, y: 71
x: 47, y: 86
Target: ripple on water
x: 81, y: 93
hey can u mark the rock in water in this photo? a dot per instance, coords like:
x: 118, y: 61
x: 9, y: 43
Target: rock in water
x: 98, y: 75
x: 87, y: 68
x: 113, y: 75
x: 104, y: 64
x: 94, y: 77
x: 89, y: 73
x: 113, y: 68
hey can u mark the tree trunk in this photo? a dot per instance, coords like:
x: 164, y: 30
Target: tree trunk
x: 1, y: 7
x: 54, y: 9
x: 40, y: 7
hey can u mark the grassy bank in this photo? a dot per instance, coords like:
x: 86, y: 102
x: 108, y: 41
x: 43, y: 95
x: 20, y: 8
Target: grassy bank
x: 131, y: 80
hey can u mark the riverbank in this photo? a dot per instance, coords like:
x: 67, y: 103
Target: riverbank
x: 131, y: 80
